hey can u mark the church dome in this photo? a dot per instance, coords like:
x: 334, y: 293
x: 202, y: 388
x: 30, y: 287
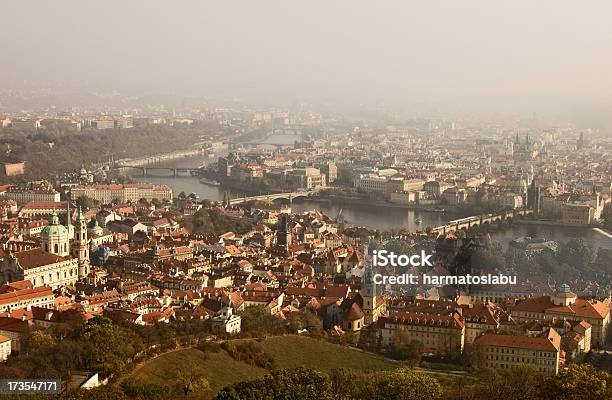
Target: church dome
x: 563, y: 290
x: 564, y: 296
x: 55, y: 229
x: 95, y: 229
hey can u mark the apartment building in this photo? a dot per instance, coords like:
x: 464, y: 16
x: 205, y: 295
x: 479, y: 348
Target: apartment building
x: 306, y: 178
x: 22, y: 294
x: 129, y: 192
x: 512, y: 352
x: 439, y: 334
x: 371, y: 183
x: 25, y: 195
x: 104, y: 123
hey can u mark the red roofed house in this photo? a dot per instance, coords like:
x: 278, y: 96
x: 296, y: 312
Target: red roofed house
x: 22, y: 294
x: 564, y: 304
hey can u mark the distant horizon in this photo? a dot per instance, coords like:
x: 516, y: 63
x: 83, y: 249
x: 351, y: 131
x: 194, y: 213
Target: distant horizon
x: 474, y: 58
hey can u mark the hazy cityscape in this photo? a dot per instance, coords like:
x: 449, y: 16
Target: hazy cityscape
x: 201, y: 201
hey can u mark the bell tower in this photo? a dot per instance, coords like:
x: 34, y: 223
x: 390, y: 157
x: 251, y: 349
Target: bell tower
x: 369, y: 295
x: 81, y: 245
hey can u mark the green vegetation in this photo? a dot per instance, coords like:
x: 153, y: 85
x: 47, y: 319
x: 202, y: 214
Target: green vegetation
x: 249, y: 352
x: 86, y: 203
x: 306, y: 384
x: 244, y: 359
x: 577, y: 382
x: 53, y: 152
x: 309, y: 369
x: 297, y: 384
x: 294, y: 351
x: 99, y: 345
x: 257, y: 323
x: 212, y: 221
x: 218, y: 368
x: 405, y: 349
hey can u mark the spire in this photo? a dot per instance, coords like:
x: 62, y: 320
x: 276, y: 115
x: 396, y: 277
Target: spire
x: 68, y: 218
x: 80, y: 217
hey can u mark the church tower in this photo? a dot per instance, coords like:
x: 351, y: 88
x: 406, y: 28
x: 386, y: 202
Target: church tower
x: 369, y: 294
x: 81, y: 246
x: 69, y: 225
x: 374, y: 304
x: 283, y: 233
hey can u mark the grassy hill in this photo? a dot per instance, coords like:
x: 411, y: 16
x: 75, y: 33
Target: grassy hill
x: 219, y: 368
x: 294, y: 351
x: 288, y: 352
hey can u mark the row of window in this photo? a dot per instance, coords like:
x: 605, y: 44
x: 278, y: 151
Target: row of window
x: 512, y: 351
x: 519, y: 359
x: 57, y: 277
x: 511, y: 366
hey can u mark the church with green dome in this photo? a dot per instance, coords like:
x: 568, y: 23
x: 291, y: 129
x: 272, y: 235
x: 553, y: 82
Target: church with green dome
x: 61, y: 259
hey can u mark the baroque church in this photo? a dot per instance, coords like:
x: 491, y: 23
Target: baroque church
x: 62, y: 259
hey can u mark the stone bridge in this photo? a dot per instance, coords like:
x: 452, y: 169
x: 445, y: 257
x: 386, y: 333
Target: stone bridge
x: 476, y: 220
x: 275, y: 196
x: 145, y: 170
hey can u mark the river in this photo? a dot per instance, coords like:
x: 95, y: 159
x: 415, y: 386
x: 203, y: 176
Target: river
x: 382, y: 218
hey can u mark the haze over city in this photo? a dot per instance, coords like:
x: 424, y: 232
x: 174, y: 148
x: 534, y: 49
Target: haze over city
x: 549, y: 58
x: 313, y: 200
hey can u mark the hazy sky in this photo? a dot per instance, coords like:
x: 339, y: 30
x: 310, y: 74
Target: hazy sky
x: 499, y: 54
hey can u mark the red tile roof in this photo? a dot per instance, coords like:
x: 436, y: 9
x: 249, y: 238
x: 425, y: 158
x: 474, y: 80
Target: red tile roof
x: 25, y: 294
x: 37, y: 257
x: 551, y: 342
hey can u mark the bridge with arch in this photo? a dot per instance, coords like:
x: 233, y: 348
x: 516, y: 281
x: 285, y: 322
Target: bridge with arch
x: 276, y: 196
x: 146, y: 169
x: 477, y: 220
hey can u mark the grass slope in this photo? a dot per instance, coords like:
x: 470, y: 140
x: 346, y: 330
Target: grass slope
x: 219, y: 368
x: 288, y: 352
x: 294, y: 351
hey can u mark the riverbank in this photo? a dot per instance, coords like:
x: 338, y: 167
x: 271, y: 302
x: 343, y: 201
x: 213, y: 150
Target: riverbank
x: 382, y: 216
x: 323, y: 198
x: 549, y: 222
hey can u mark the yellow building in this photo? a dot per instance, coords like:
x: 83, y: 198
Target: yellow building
x: 511, y: 352
x: 439, y: 334
x: 123, y: 192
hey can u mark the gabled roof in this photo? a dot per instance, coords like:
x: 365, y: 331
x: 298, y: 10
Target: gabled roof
x: 354, y: 313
